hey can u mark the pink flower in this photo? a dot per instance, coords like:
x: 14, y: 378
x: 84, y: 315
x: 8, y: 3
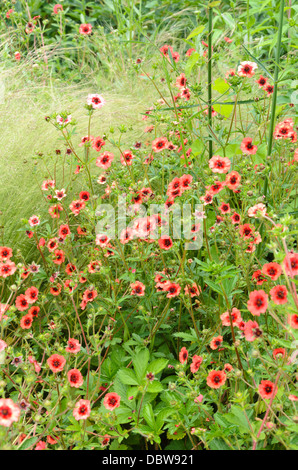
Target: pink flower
x: 247, y: 69
x: 57, y: 8
x: 3, y: 345
x: 96, y: 101
x: 247, y: 146
x: 41, y: 445
x: 82, y: 410
x: 86, y: 29
x: 9, y: 412
x: 199, y: 399
x: 34, y: 220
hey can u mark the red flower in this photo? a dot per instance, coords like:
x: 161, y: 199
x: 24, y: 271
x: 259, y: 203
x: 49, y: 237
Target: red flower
x: 57, y: 8
x: 98, y: 143
x: 104, y: 160
x: 235, y: 218
x: 262, y: 81
x: 279, y: 294
x: 52, y: 244
x: 51, y: 440
x: 9, y: 412
x: 111, y: 401
x: 259, y: 277
x: 216, y: 378
x: 219, y: 164
x: 55, y: 290
x: 216, y: 342
x: 183, y: 355
x: 34, y: 311
x: 89, y: 295
x: 75, y: 378
x: 127, y: 158
x: 252, y: 330
x: 64, y: 230
x: 86, y: 29
x: 70, y: 285
x: 137, y: 288
x: 22, y: 303
x: 70, y: 269
x: 293, y: 321
x: 233, y: 180
x: 84, y: 195
x: 190, y: 51
x: 77, y: 206
x: 31, y: 295
x: 26, y: 321
x: 291, y: 264
x: 279, y: 352
x: 74, y: 346
x: 56, y: 362
x: 82, y: 410
x: 185, y: 182
x: 181, y: 81
x: 272, y: 270
x: 269, y: 89
x: 267, y: 389
x: 247, y: 146
x: 246, y: 231
x: 196, y: 362
x: 159, y: 144
x: 5, y: 253
x: 174, y: 188
x: 7, y: 269
x: 165, y: 242
x: 247, y: 69
x: 225, y: 208
x: 172, y: 289
x: 235, y: 317
x: 105, y: 440
x: 193, y: 290
x: 59, y: 257
x: 216, y: 187
x: 207, y: 198
x: 258, y: 302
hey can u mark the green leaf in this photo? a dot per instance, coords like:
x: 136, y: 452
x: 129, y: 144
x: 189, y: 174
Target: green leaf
x: 149, y: 415
x: 186, y: 336
x: 223, y: 109
x: 140, y: 363
x: 28, y: 443
x: 155, y: 387
x: 191, y: 62
x: 128, y: 377
x: 196, y: 32
x: 157, y: 365
x: 197, y: 147
x: 213, y: 4
x: 220, y: 85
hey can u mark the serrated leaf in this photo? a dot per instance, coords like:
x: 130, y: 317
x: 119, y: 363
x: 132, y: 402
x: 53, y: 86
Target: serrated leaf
x: 157, y: 365
x: 127, y: 377
x: 155, y: 387
x: 149, y: 415
x: 140, y: 363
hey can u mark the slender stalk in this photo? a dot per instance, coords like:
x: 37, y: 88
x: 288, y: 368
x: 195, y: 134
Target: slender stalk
x: 276, y: 71
x: 210, y: 77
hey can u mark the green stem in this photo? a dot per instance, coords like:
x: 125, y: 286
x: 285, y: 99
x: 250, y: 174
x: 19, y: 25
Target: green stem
x: 276, y: 71
x: 210, y: 77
